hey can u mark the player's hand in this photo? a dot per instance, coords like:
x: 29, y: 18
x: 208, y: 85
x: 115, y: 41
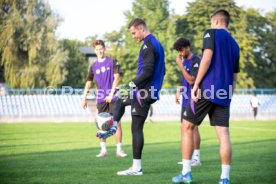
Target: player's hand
x: 84, y: 103
x: 108, y: 133
x: 195, y: 93
x: 124, y: 90
x: 177, y: 97
x: 179, y: 61
x: 109, y: 98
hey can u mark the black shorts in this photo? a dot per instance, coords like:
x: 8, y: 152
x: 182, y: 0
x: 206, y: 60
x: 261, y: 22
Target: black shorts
x: 196, y: 112
x: 140, y: 106
x: 182, y: 114
x: 106, y: 107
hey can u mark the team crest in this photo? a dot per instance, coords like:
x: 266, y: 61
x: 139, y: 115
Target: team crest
x: 103, y: 69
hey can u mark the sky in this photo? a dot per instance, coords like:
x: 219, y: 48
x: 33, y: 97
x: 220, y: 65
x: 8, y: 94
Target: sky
x: 83, y: 18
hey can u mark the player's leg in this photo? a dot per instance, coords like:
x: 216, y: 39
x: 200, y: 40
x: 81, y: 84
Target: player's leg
x: 119, y: 109
x: 187, y: 143
x: 255, y: 112
x: 220, y: 119
x: 102, y: 107
x: 185, y: 176
x: 192, y: 117
x: 119, y: 133
x: 139, y: 112
x: 225, y: 150
x: 181, y: 119
x: 137, y: 126
x: 196, y: 151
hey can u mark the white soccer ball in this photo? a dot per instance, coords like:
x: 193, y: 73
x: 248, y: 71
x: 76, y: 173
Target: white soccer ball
x: 104, y: 121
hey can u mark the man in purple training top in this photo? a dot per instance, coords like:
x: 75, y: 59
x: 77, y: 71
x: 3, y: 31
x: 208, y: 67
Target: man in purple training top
x: 106, y: 72
x: 212, y: 93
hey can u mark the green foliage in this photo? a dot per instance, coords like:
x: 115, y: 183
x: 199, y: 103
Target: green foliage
x: 168, y: 27
x: 29, y: 51
x: 31, y: 57
x: 90, y: 39
x: 77, y: 65
x: 264, y: 30
x: 126, y: 49
x: 197, y: 20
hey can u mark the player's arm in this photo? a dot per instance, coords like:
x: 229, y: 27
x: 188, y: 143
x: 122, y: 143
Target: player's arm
x: 236, y: 71
x: 189, y: 78
x: 177, y: 96
x: 204, y: 66
x: 208, y: 47
x: 87, y: 87
x: 115, y: 83
x: 117, y: 76
x: 148, y: 55
x: 235, y: 82
x: 86, y: 91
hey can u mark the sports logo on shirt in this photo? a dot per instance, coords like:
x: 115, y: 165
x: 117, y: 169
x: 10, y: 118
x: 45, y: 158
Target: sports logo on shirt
x: 103, y: 69
x: 144, y: 47
x: 196, y: 65
x: 207, y: 35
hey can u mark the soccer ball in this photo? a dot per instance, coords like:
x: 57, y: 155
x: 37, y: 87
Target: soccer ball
x: 104, y: 121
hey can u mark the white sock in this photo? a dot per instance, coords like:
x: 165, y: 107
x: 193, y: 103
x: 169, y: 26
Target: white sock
x: 186, y: 166
x: 103, y: 147
x: 119, y: 147
x: 225, y: 171
x: 196, y: 155
x: 137, y: 164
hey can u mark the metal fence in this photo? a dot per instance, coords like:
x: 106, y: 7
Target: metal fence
x: 52, y: 104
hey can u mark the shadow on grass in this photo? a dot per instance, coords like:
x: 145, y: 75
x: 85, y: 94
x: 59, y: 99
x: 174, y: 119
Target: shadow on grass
x: 159, y: 165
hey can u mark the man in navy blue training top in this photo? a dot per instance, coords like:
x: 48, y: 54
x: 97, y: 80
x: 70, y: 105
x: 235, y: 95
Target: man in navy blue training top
x: 141, y: 92
x: 212, y: 92
x: 188, y: 64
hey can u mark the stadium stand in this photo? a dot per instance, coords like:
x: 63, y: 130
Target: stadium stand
x: 23, y: 105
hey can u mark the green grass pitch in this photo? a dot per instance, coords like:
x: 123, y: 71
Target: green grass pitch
x: 64, y: 153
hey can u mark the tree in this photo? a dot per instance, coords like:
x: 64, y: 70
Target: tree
x: 197, y: 19
x: 271, y: 51
x: 264, y: 30
x: 125, y: 49
x: 77, y: 64
x: 90, y: 39
x: 29, y: 51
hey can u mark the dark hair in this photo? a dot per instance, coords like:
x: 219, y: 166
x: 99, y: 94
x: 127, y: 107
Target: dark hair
x: 136, y: 22
x: 225, y: 14
x: 98, y: 42
x: 181, y: 43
